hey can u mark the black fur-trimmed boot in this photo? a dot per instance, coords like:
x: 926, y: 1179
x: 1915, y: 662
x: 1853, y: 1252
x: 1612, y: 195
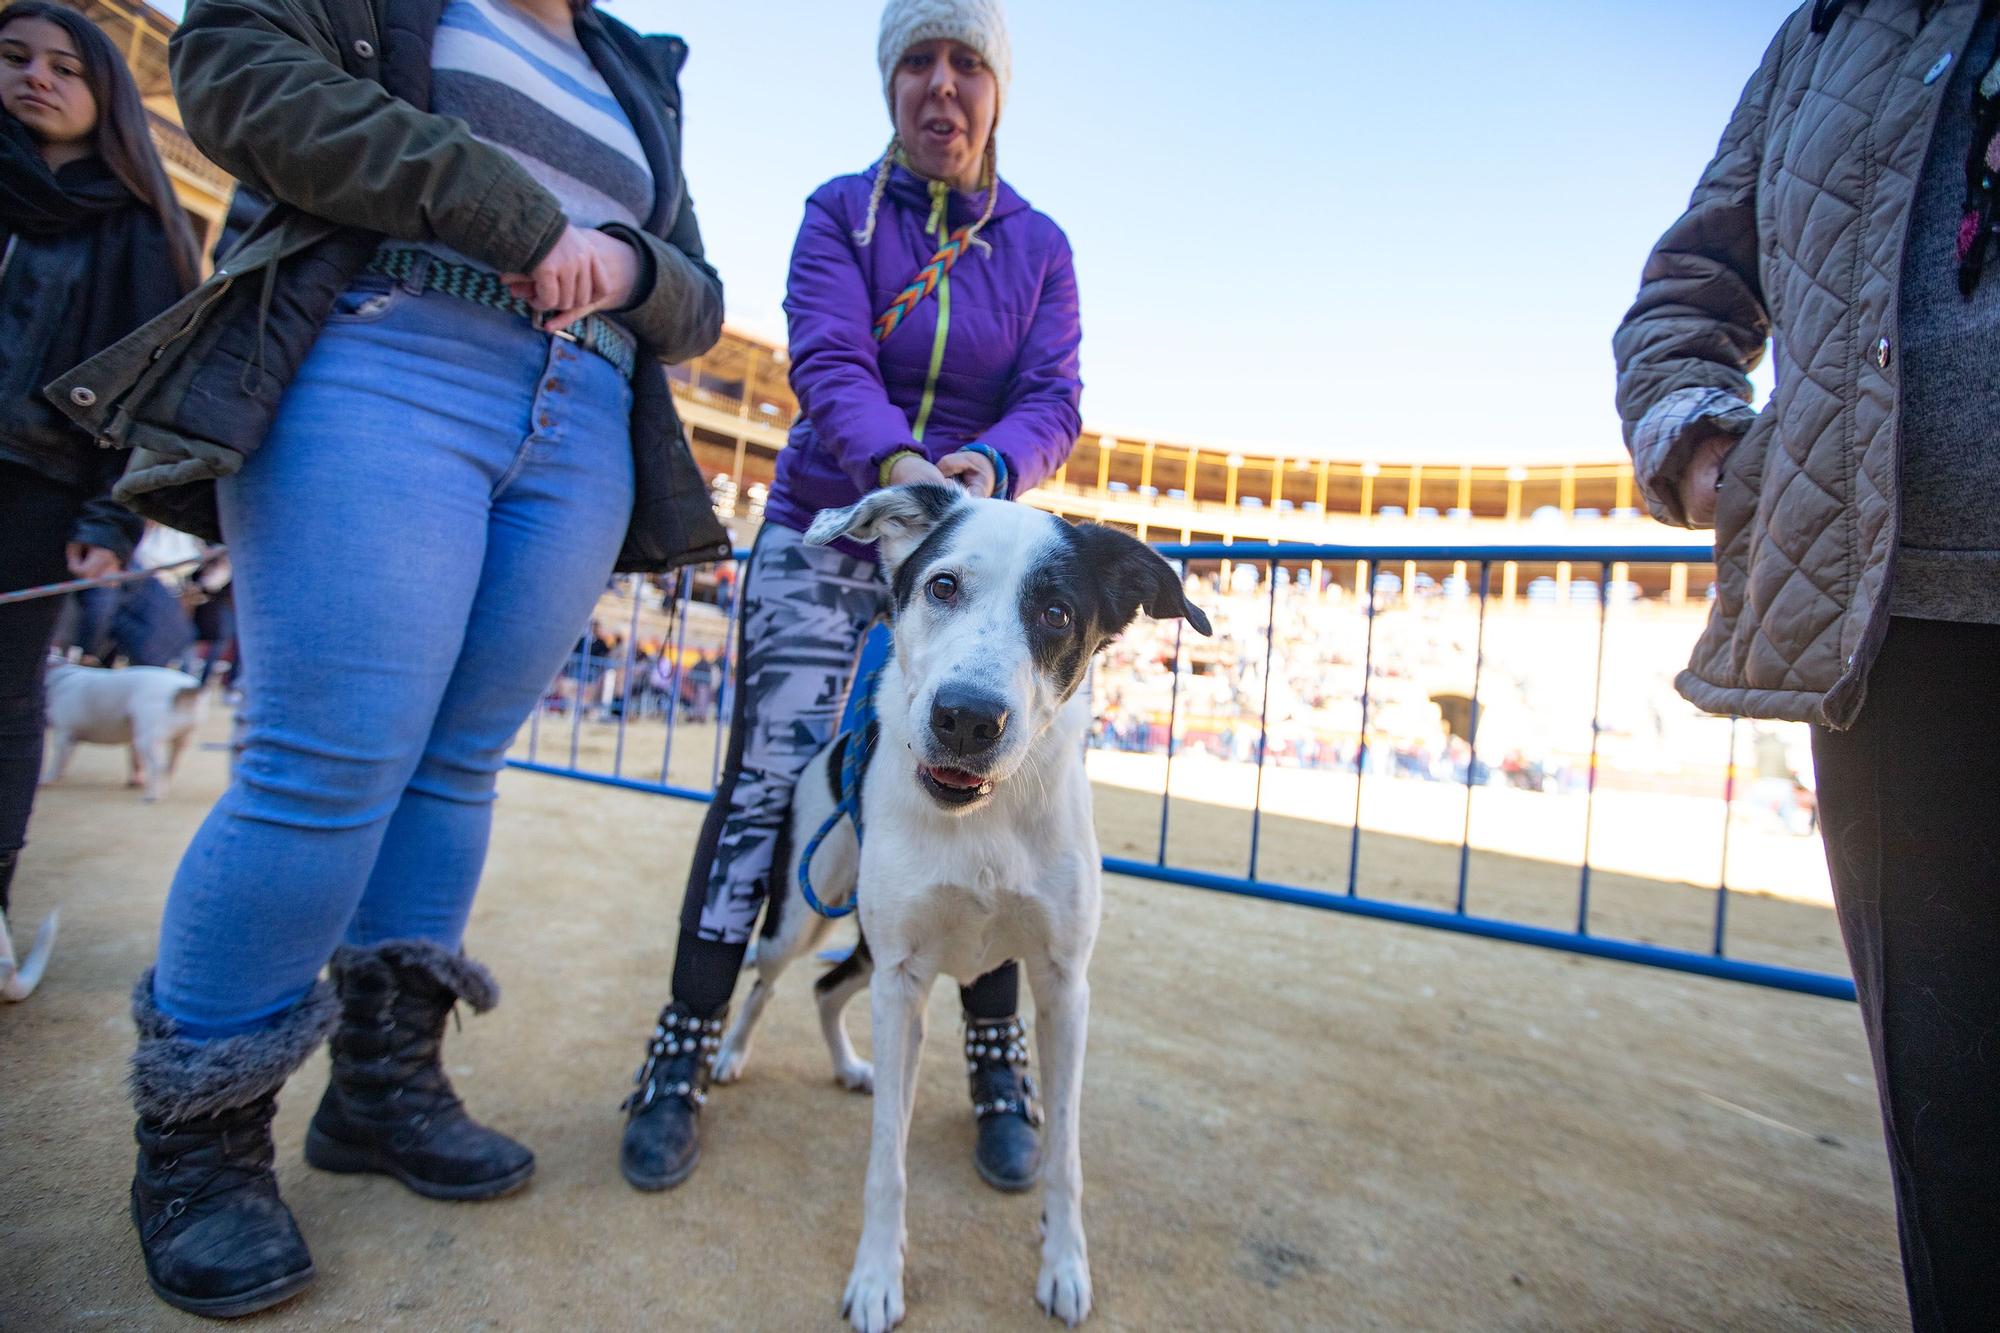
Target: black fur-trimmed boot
x: 217, y: 1239
x: 389, y: 1109
x: 663, y: 1113
x: 1009, y: 1152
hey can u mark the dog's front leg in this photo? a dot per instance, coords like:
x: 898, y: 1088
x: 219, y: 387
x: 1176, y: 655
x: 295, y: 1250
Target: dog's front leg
x: 1062, y: 1013
x: 64, y: 747
x: 874, y: 1299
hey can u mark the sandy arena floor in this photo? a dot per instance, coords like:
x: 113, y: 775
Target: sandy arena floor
x: 1294, y: 1119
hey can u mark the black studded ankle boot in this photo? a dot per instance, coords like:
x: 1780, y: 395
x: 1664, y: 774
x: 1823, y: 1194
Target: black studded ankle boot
x: 663, y: 1114
x: 389, y: 1109
x: 217, y: 1239
x: 1009, y: 1152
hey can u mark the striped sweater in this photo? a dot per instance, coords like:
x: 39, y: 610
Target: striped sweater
x: 533, y: 93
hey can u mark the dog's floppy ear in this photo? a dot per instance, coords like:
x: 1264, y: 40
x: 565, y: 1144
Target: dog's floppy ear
x: 1134, y: 578
x: 897, y: 518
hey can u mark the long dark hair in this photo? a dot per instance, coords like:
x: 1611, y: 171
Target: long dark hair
x: 121, y: 139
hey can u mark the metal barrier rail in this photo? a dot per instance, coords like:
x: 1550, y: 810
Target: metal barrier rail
x: 587, y: 671
x: 117, y: 580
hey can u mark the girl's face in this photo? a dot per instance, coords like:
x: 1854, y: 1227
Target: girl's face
x: 946, y: 100
x: 43, y: 84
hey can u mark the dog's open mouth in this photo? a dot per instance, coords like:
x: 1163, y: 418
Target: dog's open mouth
x: 953, y: 786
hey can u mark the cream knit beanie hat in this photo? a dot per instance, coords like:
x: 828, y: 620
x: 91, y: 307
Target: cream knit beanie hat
x: 980, y: 24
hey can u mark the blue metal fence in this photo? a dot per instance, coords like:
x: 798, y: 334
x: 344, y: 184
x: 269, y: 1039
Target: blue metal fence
x: 612, y: 686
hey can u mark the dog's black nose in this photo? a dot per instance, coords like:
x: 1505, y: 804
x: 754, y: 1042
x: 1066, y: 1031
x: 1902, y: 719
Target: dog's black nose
x: 967, y: 723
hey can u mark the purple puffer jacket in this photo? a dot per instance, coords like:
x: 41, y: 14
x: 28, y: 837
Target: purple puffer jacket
x: 1009, y: 375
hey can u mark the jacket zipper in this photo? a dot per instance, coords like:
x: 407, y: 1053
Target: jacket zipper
x: 7, y: 259
x: 937, y: 357
x: 938, y: 225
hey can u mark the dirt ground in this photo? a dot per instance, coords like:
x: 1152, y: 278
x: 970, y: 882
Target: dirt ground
x: 1293, y: 1119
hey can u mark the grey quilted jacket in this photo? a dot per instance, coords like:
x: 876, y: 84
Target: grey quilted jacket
x: 1797, y: 226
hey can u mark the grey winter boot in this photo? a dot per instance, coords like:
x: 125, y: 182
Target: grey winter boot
x: 217, y: 1239
x: 389, y: 1109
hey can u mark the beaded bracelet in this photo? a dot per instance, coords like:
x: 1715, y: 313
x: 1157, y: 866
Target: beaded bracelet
x: 1000, y: 473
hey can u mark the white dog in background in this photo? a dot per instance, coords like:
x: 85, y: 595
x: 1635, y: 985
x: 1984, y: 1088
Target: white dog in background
x: 978, y: 844
x: 151, y: 709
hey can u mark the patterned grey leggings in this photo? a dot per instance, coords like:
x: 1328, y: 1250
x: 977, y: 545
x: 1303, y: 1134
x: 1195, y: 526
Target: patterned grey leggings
x: 806, y: 610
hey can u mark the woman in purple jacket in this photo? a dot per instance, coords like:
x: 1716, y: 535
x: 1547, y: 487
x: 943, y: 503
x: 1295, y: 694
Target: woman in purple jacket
x: 976, y: 383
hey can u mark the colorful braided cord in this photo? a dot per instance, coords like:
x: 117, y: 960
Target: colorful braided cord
x: 923, y: 284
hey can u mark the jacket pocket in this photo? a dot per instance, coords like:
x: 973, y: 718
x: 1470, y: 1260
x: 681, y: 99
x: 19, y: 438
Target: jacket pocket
x: 1738, y: 511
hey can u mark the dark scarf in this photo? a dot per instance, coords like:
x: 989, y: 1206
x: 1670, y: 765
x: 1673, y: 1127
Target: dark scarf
x: 131, y: 275
x: 35, y: 201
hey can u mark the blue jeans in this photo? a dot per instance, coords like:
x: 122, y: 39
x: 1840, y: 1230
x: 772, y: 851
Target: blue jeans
x: 417, y: 544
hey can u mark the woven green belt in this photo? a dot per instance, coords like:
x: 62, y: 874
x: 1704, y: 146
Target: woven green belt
x: 484, y: 288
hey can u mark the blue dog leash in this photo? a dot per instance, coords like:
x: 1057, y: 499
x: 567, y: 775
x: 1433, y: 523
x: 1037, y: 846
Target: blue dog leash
x: 857, y: 739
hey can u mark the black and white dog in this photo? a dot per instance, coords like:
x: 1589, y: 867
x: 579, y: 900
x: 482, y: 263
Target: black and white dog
x: 978, y: 841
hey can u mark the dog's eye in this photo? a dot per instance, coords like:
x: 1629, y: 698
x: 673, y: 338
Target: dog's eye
x: 943, y: 588
x: 1056, y: 616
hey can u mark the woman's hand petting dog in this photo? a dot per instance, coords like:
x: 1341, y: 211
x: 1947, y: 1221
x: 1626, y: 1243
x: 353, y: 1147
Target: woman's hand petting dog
x: 914, y: 470
x: 971, y: 470
x: 973, y: 473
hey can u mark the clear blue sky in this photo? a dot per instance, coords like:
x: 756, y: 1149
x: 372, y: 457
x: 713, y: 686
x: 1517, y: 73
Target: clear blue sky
x: 1372, y: 230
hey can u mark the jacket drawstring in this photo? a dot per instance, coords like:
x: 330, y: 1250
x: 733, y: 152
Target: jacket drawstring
x: 252, y: 379
x: 940, y: 195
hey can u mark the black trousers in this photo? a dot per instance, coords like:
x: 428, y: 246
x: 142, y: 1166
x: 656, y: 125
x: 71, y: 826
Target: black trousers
x: 36, y: 519
x: 1907, y: 810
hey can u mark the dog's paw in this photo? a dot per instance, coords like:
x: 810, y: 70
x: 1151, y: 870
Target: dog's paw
x: 857, y: 1077
x: 729, y: 1062
x: 1063, y: 1289
x: 874, y: 1299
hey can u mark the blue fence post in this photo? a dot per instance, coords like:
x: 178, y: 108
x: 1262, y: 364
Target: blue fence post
x: 1264, y: 715
x: 1361, y: 745
x: 1728, y: 817
x: 1472, y: 739
x: 683, y: 599
x: 1596, y: 729
x: 1173, y: 718
x: 725, y: 677
x: 581, y: 699
x: 638, y: 585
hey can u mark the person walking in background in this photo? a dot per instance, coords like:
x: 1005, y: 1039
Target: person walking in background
x: 92, y: 244
x: 424, y: 435
x: 976, y: 383
x: 1850, y: 219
